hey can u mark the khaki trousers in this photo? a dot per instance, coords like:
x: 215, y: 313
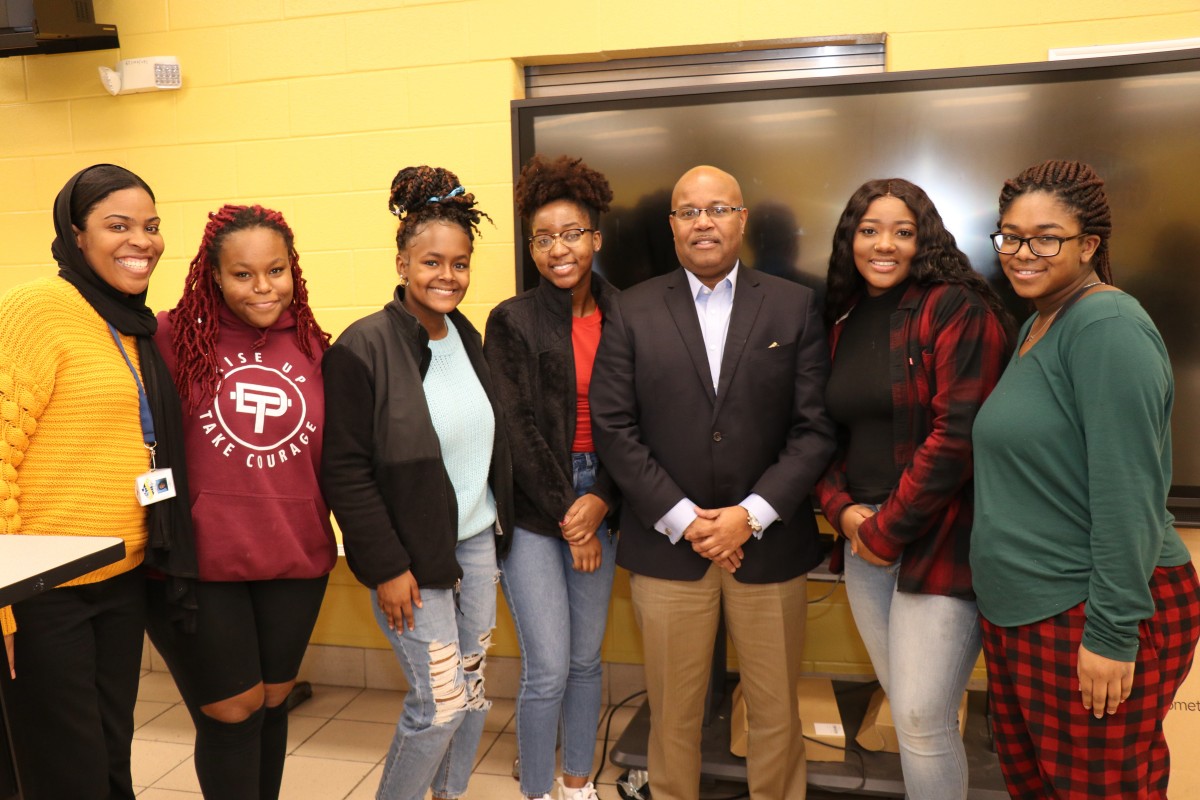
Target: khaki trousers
x: 678, y: 620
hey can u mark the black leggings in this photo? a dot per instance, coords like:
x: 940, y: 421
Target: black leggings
x: 246, y: 633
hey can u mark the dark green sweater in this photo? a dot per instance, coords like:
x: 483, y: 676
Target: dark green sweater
x: 1072, y: 469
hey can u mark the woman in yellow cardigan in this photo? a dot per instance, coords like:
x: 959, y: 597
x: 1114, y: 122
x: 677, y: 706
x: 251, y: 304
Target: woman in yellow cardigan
x: 86, y: 407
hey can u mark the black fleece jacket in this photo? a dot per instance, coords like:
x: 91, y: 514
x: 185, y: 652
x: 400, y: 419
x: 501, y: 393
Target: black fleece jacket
x: 382, y: 471
x: 528, y: 347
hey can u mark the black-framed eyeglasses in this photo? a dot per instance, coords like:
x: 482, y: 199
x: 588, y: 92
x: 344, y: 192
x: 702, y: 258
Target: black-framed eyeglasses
x: 571, y: 236
x: 1044, y: 246
x: 688, y: 214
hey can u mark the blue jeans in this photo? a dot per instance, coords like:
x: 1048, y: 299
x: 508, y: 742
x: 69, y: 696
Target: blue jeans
x: 560, y: 616
x: 923, y: 647
x: 443, y: 659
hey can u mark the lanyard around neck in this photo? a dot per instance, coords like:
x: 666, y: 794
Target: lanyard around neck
x: 143, y: 402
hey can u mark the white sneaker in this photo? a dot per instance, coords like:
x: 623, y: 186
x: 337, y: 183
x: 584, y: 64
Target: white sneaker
x: 585, y: 792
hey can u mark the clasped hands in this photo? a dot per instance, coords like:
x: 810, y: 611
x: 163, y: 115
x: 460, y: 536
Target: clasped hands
x: 718, y: 534
x: 579, y: 527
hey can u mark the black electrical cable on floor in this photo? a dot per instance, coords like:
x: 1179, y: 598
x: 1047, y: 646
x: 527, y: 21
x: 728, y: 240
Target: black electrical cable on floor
x: 608, y: 731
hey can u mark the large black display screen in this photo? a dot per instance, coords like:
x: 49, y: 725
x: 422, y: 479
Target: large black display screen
x: 801, y: 148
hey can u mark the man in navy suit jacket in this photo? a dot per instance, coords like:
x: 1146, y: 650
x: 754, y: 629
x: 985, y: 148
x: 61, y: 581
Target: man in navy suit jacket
x: 707, y: 401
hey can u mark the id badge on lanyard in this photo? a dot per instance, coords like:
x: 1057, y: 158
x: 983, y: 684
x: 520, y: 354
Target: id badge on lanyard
x: 154, y: 485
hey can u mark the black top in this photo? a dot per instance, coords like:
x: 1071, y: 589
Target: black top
x: 859, y: 397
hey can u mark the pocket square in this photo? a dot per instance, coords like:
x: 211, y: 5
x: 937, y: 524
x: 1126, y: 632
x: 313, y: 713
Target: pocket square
x: 772, y: 344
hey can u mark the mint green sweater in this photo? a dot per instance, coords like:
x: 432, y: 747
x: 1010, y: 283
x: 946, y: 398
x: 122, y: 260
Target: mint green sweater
x: 465, y: 424
x: 1072, y: 469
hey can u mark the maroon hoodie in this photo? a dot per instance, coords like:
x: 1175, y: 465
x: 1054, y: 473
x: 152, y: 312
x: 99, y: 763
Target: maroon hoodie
x: 254, y: 456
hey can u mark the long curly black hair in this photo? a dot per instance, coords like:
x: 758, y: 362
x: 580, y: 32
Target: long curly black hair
x: 938, y: 258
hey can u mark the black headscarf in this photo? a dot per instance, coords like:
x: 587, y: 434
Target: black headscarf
x: 171, y: 548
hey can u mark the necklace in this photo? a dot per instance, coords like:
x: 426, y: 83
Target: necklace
x: 1036, y: 332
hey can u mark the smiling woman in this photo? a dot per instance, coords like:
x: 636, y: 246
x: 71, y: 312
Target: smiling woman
x: 121, y: 241
x: 254, y: 275
x: 884, y: 244
x: 419, y: 476
x: 435, y: 269
x: 246, y: 352
x: 918, y: 341
x: 85, y: 392
x: 558, y: 576
x: 1072, y: 542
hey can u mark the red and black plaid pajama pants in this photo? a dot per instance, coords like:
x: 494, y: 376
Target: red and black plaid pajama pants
x: 1049, y: 745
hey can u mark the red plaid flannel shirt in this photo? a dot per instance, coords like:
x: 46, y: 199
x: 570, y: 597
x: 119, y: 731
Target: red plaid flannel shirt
x: 948, y: 349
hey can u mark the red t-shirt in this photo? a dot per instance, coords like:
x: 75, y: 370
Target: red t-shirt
x: 585, y: 340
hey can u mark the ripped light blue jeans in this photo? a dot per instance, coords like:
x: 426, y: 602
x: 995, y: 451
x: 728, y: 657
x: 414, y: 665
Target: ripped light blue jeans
x: 443, y: 660
x: 923, y: 647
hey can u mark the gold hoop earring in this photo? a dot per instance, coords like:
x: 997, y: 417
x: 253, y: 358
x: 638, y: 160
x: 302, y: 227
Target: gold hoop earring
x: 403, y: 281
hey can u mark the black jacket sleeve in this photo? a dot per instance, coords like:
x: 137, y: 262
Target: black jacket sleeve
x: 373, y: 549
x: 645, y: 485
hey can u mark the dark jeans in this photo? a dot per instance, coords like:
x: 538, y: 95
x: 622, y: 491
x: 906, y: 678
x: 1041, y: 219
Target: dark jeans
x: 78, y: 658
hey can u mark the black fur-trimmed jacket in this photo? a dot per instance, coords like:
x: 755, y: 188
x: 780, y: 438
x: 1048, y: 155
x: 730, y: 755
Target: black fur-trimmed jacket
x: 382, y: 471
x: 528, y: 346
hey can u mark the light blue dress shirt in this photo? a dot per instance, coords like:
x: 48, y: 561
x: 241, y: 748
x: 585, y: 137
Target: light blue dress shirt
x: 713, y: 309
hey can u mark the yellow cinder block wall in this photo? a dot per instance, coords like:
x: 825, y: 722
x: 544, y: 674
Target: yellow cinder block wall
x: 310, y: 107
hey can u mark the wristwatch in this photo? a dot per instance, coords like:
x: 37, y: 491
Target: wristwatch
x: 755, y: 525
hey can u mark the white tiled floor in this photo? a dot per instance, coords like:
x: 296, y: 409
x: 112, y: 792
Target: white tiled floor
x: 336, y: 745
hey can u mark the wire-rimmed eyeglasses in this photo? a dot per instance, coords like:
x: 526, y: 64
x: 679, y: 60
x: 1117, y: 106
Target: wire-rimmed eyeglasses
x: 689, y: 214
x: 1044, y: 246
x: 571, y: 236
